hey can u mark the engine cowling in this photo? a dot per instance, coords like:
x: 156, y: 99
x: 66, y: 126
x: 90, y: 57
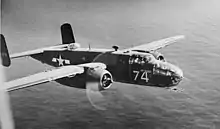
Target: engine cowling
x: 100, y: 76
x: 158, y: 56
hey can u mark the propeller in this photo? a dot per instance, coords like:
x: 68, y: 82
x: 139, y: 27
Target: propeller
x: 94, y: 87
x: 94, y: 95
x: 5, y: 111
x: 94, y: 91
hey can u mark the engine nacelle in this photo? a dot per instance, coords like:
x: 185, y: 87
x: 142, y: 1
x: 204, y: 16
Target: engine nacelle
x: 100, y: 76
x: 158, y: 56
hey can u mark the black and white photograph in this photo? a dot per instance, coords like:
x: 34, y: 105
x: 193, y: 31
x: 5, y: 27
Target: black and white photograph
x: 110, y: 64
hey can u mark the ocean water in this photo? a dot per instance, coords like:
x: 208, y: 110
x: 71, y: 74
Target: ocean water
x: 30, y: 24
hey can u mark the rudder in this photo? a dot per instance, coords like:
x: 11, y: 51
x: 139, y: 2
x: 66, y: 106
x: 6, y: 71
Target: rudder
x: 67, y: 34
x: 4, y: 53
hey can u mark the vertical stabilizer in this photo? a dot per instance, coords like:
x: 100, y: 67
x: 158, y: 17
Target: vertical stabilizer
x: 4, y: 53
x: 67, y: 34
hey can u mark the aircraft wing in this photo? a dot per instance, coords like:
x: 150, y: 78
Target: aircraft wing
x: 37, y: 51
x: 43, y: 77
x: 156, y: 44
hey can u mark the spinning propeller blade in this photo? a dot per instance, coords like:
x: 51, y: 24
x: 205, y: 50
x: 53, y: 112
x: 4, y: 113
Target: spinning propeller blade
x: 94, y: 95
x: 93, y: 91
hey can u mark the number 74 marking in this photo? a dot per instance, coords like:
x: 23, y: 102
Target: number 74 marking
x: 143, y: 75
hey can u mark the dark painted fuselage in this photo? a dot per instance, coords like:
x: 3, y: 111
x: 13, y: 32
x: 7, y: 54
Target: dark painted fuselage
x: 120, y: 65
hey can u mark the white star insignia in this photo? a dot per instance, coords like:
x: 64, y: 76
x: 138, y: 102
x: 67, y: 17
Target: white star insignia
x: 61, y: 61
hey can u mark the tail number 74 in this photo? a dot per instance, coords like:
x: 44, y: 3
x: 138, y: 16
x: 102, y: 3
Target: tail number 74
x: 142, y: 75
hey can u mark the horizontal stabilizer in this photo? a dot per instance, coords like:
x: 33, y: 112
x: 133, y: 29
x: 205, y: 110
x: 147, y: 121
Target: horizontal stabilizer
x: 4, y: 52
x: 60, y: 47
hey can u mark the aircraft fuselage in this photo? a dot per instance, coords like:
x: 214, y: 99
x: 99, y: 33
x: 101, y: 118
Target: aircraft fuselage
x: 120, y: 65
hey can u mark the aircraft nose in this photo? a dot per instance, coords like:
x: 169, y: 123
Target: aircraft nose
x: 177, y: 75
x: 178, y: 72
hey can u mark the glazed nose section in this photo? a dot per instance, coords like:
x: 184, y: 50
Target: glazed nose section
x: 166, y: 74
x: 179, y: 72
x: 177, y: 75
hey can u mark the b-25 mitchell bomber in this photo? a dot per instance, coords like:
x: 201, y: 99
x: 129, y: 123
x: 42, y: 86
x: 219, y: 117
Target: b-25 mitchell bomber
x: 79, y: 67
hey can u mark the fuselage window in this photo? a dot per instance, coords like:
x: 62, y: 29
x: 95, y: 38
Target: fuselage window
x: 136, y: 59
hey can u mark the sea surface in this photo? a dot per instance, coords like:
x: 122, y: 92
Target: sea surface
x: 31, y: 24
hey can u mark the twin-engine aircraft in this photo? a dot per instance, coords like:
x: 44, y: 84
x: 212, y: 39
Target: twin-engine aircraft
x: 96, y: 69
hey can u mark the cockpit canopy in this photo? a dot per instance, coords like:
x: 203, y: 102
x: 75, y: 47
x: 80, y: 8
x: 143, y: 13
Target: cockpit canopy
x: 143, y: 59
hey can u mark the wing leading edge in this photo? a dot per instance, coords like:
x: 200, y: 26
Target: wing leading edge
x: 51, y: 75
x: 40, y: 50
x: 156, y: 44
x: 42, y: 77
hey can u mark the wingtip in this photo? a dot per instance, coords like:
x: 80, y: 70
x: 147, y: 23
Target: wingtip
x: 181, y: 36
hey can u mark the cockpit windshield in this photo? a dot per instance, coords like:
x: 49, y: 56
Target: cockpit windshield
x: 142, y: 59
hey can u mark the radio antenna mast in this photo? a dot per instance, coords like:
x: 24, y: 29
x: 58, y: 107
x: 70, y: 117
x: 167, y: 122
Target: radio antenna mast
x: 89, y: 47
